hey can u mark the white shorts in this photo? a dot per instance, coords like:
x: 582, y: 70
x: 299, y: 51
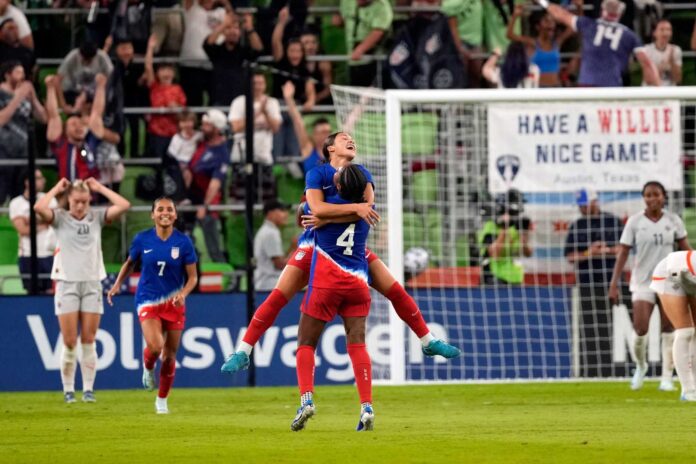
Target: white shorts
x: 664, y: 282
x: 644, y: 293
x: 84, y: 296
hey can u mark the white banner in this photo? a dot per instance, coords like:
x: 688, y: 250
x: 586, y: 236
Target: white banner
x: 605, y: 146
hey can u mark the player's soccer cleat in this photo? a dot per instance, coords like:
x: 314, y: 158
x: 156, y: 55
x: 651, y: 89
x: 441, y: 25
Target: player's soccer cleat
x: 442, y: 348
x: 148, y: 379
x: 69, y: 397
x: 367, y: 418
x: 88, y: 397
x: 304, y: 413
x: 235, y: 362
x: 161, y: 406
x: 639, y: 377
x: 689, y: 396
x: 666, y: 385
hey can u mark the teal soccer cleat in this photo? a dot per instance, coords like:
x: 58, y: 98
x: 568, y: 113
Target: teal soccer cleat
x: 443, y: 349
x: 148, y: 379
x: 235, y: 362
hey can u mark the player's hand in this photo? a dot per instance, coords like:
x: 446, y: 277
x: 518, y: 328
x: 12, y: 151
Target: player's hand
x: 613, y: 294
x: 366, y: 212
x: 115, y: 290
x: 62, y: 185
x: 311, y: 222
x: 94, y: 185
x: 179, y: 299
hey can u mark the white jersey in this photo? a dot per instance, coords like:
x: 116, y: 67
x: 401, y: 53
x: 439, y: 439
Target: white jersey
x: 79, y: 254
x: 651, y: 242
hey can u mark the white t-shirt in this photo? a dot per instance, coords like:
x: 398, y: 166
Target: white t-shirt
x: 263, y: 136
x: 531, y: 81
x: 45, y: 239
x: 182, y: 149
x: 79, y: 254
x: 661, y: 58
x: 267, y: 245
x: 198, y: 24
x: 651, y: 242
x: 19, y: 18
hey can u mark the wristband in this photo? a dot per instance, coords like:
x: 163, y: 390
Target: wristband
x: 543, y: 3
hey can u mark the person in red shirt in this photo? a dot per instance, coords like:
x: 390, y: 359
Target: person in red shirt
x: 163, y: 93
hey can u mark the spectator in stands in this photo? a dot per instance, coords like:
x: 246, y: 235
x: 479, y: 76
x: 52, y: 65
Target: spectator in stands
x: 310, y: 148
x: 591, y: 245
x: 466, y: 25
x: 129, y: 77
x: 607, y: 45
x: 503, y: 240
x: 75, y: 143
x: 320, y: 71
x: 167, y: 26
x: 77, y: 71
x: 7, y: 10
x: 201, y: 17
x: 12, y: 49
x: 227, y: 52
x: 130, y: 21
x: 267, y: 121
x: 367, y: 22
x: 292, y: 66
x: 515, y: 72
x: 184, y: 144
x: 18, y: 102
x: 268, y: 246
x: 545, y: 48
x: 209, y: 166
x: 666, y: 57
x: 45, y: 238
x: 164, y: 93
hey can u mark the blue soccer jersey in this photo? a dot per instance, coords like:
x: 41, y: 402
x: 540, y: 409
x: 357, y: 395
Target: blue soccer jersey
x: 339, y: 254
x: 163, y: 265
x: 306, y: 238
x: 322, y: 178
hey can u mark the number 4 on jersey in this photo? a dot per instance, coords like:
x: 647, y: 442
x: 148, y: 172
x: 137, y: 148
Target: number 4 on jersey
x: 346, y: 240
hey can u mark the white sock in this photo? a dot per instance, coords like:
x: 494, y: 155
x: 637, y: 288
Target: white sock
x: 68, y: 361
x: 640, y: 347
x: 426, y: 339
x: 683, y: 339
x: 88, y: 365
x: 692, y: 357
x: 245, y: 347
x: 667, y: 339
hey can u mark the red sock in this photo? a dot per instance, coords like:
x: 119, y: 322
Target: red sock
x: 305, y: 368
x: 149, y: 358
x: 406, y: 308
x: 265, y: 316
x: 362, y: 368
x: 166, y: 377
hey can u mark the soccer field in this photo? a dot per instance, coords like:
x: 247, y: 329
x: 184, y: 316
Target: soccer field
x: 562, y: 422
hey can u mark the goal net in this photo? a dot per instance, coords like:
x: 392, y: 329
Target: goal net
x: 490, y: 200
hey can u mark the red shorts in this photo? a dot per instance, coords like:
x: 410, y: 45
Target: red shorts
x: 172, y: 317
x: 302, y: 258
x: 325, y: 303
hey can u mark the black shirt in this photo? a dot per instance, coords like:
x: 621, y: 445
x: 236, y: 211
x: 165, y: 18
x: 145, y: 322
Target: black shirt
x: 604, y: 227
x: 228, y: 82
x: 20, y: 53
x: 297, y: 74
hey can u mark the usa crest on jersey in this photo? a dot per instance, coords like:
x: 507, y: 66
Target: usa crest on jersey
x: 175, y: 252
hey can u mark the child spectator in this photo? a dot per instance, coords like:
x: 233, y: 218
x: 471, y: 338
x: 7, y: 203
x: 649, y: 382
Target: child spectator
x: 184, y: 143
x: 667, y: 57
x: 164, y: 93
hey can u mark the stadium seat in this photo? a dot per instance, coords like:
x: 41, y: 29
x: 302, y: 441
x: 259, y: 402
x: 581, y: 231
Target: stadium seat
x: 235, y: 239
x: 367, y: 125
x: 111, y: 242
x: 290, y: 190
x: 310, y: 118
x: 136, y: 222
x: 418, y: 134
x: 224, y: 269
x: 689, y: 216
x: 424, y: 185
x: 199, y: 242
x: 9, y: 241
x: 10, y: 280
x: 129, y: 182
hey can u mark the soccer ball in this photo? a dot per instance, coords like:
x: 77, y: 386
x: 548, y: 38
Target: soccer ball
x: 416, y: 260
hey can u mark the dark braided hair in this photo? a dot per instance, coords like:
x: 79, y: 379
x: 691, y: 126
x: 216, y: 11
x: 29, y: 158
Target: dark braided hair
x: 330, y: 141
x: 654, y: 183
x: 352, y: 181
x: 163, y: 198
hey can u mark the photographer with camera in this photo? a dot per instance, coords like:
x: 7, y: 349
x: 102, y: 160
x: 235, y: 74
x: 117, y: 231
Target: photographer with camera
x: 504, y: 239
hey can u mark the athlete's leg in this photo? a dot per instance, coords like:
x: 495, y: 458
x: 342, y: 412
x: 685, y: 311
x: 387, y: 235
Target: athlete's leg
x: 68, y: 360
x: 666, y: 344
x: 172, y: 338
x: 308, y: 334
x: 359, y: 357
x: 676, y: 308
x: 154, y: 341
x: 642, y: 310
x: 89, y: 324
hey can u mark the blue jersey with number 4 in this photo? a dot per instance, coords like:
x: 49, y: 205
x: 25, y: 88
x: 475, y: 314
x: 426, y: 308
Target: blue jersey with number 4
x: 163, y: 265
x: 339, y: 254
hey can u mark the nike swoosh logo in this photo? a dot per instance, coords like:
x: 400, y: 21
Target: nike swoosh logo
x: 147, y: 251
x: 327, y: 187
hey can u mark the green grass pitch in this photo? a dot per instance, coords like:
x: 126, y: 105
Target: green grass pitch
x: 542, y: 422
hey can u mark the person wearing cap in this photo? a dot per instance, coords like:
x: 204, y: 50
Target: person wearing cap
x: 591, y: 246
x: 208, y: 168
x: 268, y: 246
x: 607, y: 45
x: 503, y: 240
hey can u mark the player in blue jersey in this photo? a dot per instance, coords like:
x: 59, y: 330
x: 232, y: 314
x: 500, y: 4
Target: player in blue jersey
x: 339, y: 150
x: 338, y: 285
x: 607, y: 45
x: 168, y: 274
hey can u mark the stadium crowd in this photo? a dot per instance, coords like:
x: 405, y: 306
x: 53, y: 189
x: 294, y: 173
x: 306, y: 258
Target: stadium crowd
x: 166, y: 56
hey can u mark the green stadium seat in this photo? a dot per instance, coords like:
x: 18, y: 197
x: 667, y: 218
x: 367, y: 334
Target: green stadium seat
x: 424, y: 185
x: 290, y: 190
x: 201, y: 249
x: 418, y: 134
x: 689, y: 216
x: 462, y: 249
x: 9, y: 241
x: 425, y: 231
x: 224, y: 268
x: 10, y: 280
x: 129, y: 181
x: 235, y: 237
x: 111, y: 242
x: 367, y: 132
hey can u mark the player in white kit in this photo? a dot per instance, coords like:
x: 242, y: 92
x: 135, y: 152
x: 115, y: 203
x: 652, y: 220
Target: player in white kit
x: 652, y: 234
x: 78, y: 269
x: 674, y: 281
